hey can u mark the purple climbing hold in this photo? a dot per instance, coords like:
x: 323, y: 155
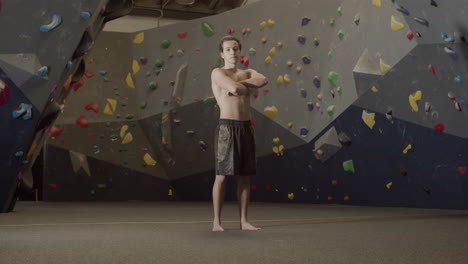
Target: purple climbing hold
x: 304, y: 132
x: 316, y: 82
x: 303, y: 93
x: 422, y: 21
x: 143, y: 60
x: 301, y: 39
x: 310, y: 106
x: 403, y: 10
x: 305, y: 21
x: 316, y: 42
x: 451, y: 53
x: 306, y: 60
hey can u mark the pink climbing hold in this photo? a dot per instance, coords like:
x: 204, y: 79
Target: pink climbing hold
x: 231, y: 30
x: 82, y: 121
x: 78, y: 85
x: 431, y: 68
x: 88, y: 74
x: 92, y: 106
x: 439, y: 127
x: 4, y: 91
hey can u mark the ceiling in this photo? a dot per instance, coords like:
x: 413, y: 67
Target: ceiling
x: 177, y: 10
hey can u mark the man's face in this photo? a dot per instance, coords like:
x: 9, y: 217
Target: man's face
x: 231, y: 51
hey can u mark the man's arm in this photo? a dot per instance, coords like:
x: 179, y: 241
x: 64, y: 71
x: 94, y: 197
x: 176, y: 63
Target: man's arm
x: 256, y: 80
x: 226, y: 83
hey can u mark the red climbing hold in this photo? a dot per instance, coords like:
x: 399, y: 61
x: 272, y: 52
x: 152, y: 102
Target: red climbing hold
x: 88, y: 74
x: 91, y: 135
x: 231, y: 30
x: 82, y: 121
x: 410, y: 35
x: 439, y: 127
x: 244, y: 60
x: 4, y: 92
x: 55, y: 131
x: 268, y: 187
x: 431, y: 68
x: 462, y: 170
x: 92, y: 106
x: 254, y: 187
x: 182, y: 35
x: 62, y: 140
x: 52, y: 185
x: 78, y: 85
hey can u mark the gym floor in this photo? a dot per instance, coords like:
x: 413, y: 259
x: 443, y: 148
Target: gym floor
x: 180, y: 232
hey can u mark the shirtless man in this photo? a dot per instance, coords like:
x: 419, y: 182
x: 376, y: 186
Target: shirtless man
x: 234, y: 136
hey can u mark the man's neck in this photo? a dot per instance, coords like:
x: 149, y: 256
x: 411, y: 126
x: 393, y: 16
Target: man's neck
x: 230, y: 67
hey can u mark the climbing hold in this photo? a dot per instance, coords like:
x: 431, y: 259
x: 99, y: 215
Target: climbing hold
x: 182, y: 35
x: 383, y: 66
x: 266, y: 90
x: 129, y: 81
x: 4, y: 92
x: 55, y: 131
x: 413, y: 99
x: 330, y: 55
x: 180, y: 53
x: 458, y: 79
x: 451, y: 95
x: 410, y: 35
x: 252, y: 51
x: 129, y: 117
x: 303, y: 132
x: 128, y: 138
x: 405, y: 151
x: 123, y: 131
x: 341, y: 34
x: 344, y: 139
x: 149, y: 160
x: 270, y: 111
x: 56, y: 20
x: 403, y: 10
x: 339, y: 90
x: 290, y: 124
x: 427, y: 107
x: 331, y: 110
x: 389, y: 185
x: 165, y: 44
x: 298, y: 69
x: 422, y: 21
x: 332, y: 22
x: 433, y: 3
x: 431, y: 68
x: 377, y: 3
x: 306, y: 60
x: 203, y: 145
x: 462, y: 169
x: 396, y: 25
x: 153, y: 86
x: 332, y: 78
x: 310, y: 106
x: 85, y: 15
x: 348, y: 166
x: 439, y: 127
x: 317, y: 82
x: 287, y: 78
x: 346, y: 198
x: 263, y: 25
x: 305, y: 21
x: 82, y: 121
x: 403, y: 172
x: 317, y: 104
x: 231, y: 30
x: 92, y: 106
x: 268, y: 60
x: 368, y: 118
x: 316, y: 42
x: 303, y: 93
x: 334, y: 183
x: 272, y: 52
x: 457, y: 106
x: 301, y: 39
x: 340, y: 10
x: 320, y: 96
x: 207, y: 29
x: 291, y: 196
x: 159, y: 63
x: 139, y: 38
x: 43, y: 71
x: 135, y: 67
x: 24, y: 110
x: 276, y: 140
x: 389, y: 115
x: 374, y: 89
x: 245, y: 60
x: 357, y: 19
x: 271, y: 22
x: 279, y: 80
x: 451, y: 53
x: 88, y: 74
x: 290, y: 63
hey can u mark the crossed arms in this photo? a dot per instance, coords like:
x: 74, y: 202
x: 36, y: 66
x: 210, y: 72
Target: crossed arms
x: 241, y: 88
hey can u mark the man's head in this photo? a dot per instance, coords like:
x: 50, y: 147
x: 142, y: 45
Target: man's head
x: 230, y: 48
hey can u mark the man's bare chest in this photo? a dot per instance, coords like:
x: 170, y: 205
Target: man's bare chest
x: 238, y: 76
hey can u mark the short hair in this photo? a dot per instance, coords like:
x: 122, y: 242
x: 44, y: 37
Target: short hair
x: 227, y: 38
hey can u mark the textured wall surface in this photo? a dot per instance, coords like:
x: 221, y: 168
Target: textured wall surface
x: 350, y: 127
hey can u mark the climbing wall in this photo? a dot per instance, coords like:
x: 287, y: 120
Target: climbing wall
x: 364, y: 103
x: 40, y: 63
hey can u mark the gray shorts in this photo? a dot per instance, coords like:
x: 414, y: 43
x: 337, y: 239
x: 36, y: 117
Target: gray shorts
x: 235, y: 148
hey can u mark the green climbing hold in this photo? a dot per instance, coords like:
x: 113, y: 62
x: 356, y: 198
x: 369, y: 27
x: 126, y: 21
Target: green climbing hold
x: 129, y: 117
x: 339, y: 90
x: 159, y: 63
x: 330, y: 55
x: 210, y: 101
x: 331, y: 110
x: 102, y: 185
x: 153, y: 86
x: 348, y: 166
x: 333, y: 78
x: 165, y: 44
x: 341, y: 34
x: 340, y: 11
x: 207, y: 29
x: 332, y: 22
x: 143, y: 105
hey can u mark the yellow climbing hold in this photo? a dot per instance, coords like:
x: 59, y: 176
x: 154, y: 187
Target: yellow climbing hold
x: 107, y: 110
x: 405, y: 151
x: 123, y: 129
x: 263, y: 25
x: 279, y: 80
x: 389, y: 185
x: 129, y: 81
x: 396, y: 25
x: 113, y: 103
x: 377, y: 3
x: 272, y: 52
x: 368, y: 118
x: 271, y: 22
x: 278, y: 150
x: 128, y: 138
x: 413, y: 100
x: 270, y: 111
x: 149, y: 160
x: 374, y: 89
x: 384, y: 67
x: 291, y: 196
x: 139, y: 38
x: 286, y: 78
x: 135, y: 67
x: 276, y: 140
x: 268, y: 60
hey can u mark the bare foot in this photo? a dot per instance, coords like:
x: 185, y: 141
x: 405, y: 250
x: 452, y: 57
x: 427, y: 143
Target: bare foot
x: 249, y: 227
x: 217, y: 228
